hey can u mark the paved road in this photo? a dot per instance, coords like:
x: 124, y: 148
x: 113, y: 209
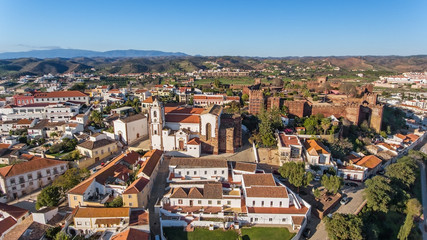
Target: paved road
x: 355, y: 194
x: 157, y: 193
x: 27, y: 202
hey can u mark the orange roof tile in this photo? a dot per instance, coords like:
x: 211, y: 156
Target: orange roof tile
x: 132, y: 234
x: 370, y: 161
x: 194, y: 141
x: 148, y: 166
x: 4, y: 145
x: 60, y: 94
x: 182, y: 118
x: 311, y: 145
x: 149, y: 100
x: 30, y: 166
x: 93, y: 212
x: 137, y: 186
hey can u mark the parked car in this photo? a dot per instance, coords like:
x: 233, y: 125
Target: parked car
x: 317, y: 178
x: 344, y: 200
x: 382, y: 172
x: 306, y: 232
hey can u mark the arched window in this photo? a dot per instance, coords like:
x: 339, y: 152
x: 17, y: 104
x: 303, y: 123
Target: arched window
x: 208, y: 131
x: 155, y: 114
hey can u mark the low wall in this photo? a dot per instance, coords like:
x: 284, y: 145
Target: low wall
x: 174, y: 223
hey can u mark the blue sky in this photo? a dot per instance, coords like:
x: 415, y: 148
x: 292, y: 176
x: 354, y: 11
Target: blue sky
x: 233, y: 27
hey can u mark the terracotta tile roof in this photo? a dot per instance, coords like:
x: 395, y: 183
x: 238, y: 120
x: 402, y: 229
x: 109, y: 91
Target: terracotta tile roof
x: 27, y: 156
x: 5, y: 224
x: 106, y: 221
x: 93, y: 212
x: 149, y: 100
x: 60, y: 94
x: 247, y: 167
x: 30, y: 166
x: 131, y: 157
x: 208, y: 97
x: 182, y: 110
x: 195, y: 193
x: 259, y: 179
x: 182, y: 118
x: 288, y: 140
x: 132, y: 234
x: 194, y: 141
x: 137, y: 186
x: 133, y: 118
x: 412, y: 137
x: 148, y: 166
x: 96, y: 144
x: 81, y: 188
x: 212, y: 191
x: 370, y: 161
x: 198, y: 162
x: 15, y: 212
x: 278, y: 210
x: 214, y: 109
x: 37, y: 230
x: 401, y: 136
x: 24, y: 121
x: 267, y: 192
x: 102, y: 175
x: 178, y: 193
x: 4, y: 145
x: 314, y: 146
x: 298, y: 220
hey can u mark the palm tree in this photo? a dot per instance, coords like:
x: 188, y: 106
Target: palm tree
x: 326, y: 124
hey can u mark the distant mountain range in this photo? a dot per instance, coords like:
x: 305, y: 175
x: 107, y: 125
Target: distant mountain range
x: 73, y: 53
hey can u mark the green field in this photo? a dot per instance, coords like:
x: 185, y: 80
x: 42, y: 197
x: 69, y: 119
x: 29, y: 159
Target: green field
x: 177, y: 233
x: 266, y: 233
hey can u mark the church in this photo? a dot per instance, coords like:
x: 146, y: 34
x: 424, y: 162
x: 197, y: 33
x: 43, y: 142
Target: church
x: 189, y: 131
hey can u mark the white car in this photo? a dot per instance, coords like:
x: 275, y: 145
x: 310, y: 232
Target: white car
x: 344, y: 200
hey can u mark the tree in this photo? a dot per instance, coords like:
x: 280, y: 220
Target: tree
x: 62, y: 236
x: 344, y: 227
x: 269, y: 121
x: 378, y: 193
x: 406, y: 228
x: 332, y: 183
x: 70, y: 178
x: 296, y: 174
x: 48, y: 197
x: 401, y: 173
x: 51, y: 232
x: 117, y: 202
x: 414, y: 207
x: 230, y: 92
x: 245, y: 97
x: 53, y: 134
x: 348, y: 89
x: 96, y: 117
x: 217, y: 83
x: 316, y: 193
x: 326, y: 124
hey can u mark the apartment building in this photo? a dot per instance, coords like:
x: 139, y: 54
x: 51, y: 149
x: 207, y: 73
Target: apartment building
x: 53, y: 111
x: 197, y: 169
x: 61, y: 96
x: 23, y: 178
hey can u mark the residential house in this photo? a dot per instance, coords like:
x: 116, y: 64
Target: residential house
x: 289, y: 147
x: 9, y: 216
x: 317, y: 154
x: 88, y: 220
x: 97, y: 147
x: 197, y: 169
x: 138, y: 193
x: 132, y: 234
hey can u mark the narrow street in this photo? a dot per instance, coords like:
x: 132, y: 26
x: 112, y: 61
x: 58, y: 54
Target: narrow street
x: 157, y: 193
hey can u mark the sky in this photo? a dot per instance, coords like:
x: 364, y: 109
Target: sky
x: 214, y: 28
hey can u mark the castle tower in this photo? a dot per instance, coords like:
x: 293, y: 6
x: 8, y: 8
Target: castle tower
x: 157, y: 122
x: 256, y: 101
